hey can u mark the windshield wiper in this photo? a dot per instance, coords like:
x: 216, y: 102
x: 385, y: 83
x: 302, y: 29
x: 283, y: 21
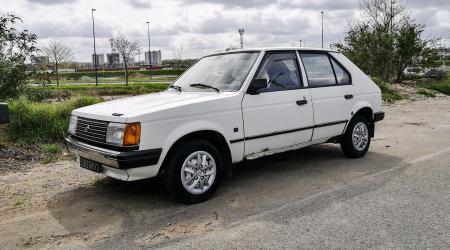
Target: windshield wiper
x: 176, y: 87
x: 201, y: 85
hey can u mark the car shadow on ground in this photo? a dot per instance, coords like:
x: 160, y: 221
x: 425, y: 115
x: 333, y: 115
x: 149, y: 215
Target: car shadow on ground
x: 127, y: 209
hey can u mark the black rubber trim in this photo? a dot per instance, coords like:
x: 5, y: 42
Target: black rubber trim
x: 288, y: 131
x: 134, y: 159
x: 330, y: 123
x: 378, y: 116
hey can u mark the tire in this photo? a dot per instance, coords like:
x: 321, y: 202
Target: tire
x: 184, y: 170
x: 356, y: 140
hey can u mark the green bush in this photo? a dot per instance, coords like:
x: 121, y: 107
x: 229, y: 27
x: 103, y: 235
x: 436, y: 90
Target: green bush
x: 388, y: 94
x: 34, y: 122
x: 39, y: 94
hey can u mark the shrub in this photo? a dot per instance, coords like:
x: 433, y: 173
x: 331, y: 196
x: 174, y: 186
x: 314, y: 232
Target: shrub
x: 39, y: 94
x: 33, y: 122
x: 387, y: 93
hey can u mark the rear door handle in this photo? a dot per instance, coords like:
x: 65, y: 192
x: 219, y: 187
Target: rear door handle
x: 348, y: 97
x: 301, y: 102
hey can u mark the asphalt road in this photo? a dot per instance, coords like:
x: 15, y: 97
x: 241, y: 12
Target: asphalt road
x: 398, y: 196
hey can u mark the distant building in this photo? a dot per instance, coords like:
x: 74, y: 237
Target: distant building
x: 155, y: 58
x: 100, y: 60
x: 113, y: 60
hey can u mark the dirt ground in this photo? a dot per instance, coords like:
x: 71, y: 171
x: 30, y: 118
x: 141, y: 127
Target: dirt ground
x: 59, y: 205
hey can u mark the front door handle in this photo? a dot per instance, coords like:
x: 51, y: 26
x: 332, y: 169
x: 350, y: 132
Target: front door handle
x: 301, y: 102
x: 348, y: 97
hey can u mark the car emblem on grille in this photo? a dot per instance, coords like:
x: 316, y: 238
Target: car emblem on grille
x: 86, y: 129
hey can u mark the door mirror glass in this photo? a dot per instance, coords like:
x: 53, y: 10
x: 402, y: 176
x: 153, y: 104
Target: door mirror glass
x: 256, y: 85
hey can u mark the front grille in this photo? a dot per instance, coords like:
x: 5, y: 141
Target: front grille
x: 92, y: 130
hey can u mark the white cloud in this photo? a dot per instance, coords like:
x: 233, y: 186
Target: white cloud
x: 202, y: 26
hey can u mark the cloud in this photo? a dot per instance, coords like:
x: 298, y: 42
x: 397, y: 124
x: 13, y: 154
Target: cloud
x: 51, y: 2
x: 440, y: 4
x: 140, y: 3
x: 204, y: 26
x: 319, y: 4
x: 233, y: 3
x: 72, y: 28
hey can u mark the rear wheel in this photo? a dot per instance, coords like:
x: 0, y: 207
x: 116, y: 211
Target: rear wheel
x: 194, y: 171
x: 356, y: 140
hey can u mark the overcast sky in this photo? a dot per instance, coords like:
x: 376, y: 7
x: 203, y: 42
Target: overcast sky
x: 200, y: 26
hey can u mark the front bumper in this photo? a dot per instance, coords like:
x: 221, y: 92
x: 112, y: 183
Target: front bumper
x: 114, y: 159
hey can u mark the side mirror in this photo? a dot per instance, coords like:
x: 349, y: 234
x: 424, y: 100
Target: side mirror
x: 256, y: 85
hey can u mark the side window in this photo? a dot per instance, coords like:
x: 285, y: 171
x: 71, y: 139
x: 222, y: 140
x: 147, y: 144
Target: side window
x: 280, y: 71
x: 318, y: 70
x: 342, y: 76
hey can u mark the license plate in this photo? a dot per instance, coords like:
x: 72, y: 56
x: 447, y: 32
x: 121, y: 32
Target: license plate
x: 91, y: 165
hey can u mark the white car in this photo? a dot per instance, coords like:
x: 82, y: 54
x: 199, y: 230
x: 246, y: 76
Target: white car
x: 229, y: 107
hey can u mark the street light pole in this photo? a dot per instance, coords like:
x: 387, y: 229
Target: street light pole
x: 322, y: 27
x: 95, y: 51
x: 149, y: 51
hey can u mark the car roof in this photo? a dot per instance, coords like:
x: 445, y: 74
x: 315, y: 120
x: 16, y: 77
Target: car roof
x: 271, y: 49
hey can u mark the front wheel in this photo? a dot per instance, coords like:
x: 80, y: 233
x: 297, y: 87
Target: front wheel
x: 194, y: 171
x: 356, y: 140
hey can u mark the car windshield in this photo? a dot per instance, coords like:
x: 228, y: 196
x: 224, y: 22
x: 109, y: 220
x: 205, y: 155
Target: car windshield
x: 224, y: 72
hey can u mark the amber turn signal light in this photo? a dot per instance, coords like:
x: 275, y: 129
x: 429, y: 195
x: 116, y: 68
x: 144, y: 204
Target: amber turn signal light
x: 132, y: 134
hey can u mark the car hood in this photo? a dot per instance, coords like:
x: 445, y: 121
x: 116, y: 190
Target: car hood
x: 121, y: 109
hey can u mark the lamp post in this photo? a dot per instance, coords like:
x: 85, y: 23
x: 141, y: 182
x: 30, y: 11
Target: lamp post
x: 322, y: 27
x: 149, y: 51
x: 95, y: 51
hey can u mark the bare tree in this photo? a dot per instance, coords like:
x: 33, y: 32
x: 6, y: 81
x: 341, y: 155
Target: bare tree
x: 383, y: 13
x: 127, y: 50
x: 58, y: 53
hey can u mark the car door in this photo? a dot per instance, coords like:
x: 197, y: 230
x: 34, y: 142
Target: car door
x: 331, y: 93
x: 281, y: 114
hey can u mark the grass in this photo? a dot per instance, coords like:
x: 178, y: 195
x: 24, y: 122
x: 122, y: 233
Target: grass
x: 18, y: 202
x: 442, y: 86
x: 107, y: 89
x: 387, y: 93
x: 118, y: 79
x: 426, y: 93
x: 36, y: 122
x: 52, y: 149
x: 101, y: 73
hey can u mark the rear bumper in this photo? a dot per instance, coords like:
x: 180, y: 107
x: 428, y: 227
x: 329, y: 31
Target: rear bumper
x: 114, y: 159
x: 378, y: 116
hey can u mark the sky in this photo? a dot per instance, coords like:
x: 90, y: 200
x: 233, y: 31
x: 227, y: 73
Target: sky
x: 199, y: 27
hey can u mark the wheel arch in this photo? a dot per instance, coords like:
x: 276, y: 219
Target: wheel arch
x: 213, y: 136
x: 364, y: 109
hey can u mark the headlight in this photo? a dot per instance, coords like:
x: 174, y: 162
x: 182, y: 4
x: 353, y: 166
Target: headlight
x: 73, y: 125
x: 123, y: 134
x: 114, y: 133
